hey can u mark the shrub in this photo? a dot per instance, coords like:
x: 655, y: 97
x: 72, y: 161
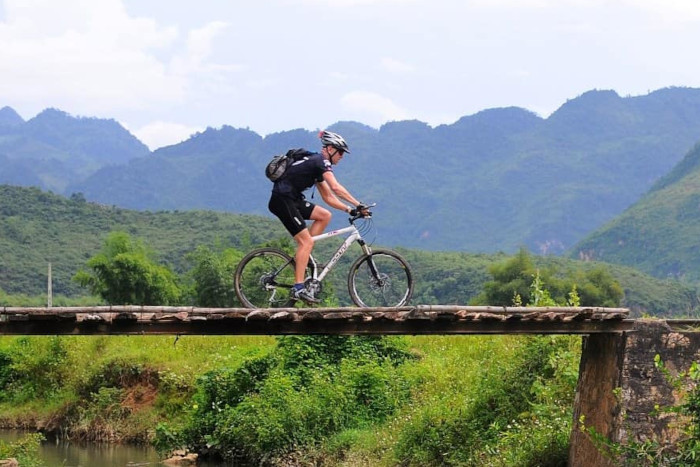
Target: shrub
x: 519, y: 400
x: 34, y: 368
x: 6, y: 373
x: 117, y: 373
x: 307, y: 389
x: 25, y: 450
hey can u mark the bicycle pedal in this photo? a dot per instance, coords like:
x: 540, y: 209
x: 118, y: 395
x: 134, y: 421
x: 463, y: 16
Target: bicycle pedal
x: 305, y: 296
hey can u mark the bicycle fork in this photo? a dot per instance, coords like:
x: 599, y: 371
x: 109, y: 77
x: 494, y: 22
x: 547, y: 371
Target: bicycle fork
x: 370, y: 261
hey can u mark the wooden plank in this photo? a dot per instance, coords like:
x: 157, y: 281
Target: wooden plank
x: 418, y: 319
x: 415, y: 310
x: 324, y: 326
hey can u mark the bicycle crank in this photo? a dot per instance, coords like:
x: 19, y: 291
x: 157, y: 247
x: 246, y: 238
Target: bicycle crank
x: 313, y: 286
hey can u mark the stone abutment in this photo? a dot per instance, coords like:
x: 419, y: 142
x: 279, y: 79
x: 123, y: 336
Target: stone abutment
x: 620, y: 388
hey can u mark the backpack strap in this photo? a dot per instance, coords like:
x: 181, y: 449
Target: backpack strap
x: 298, y: 154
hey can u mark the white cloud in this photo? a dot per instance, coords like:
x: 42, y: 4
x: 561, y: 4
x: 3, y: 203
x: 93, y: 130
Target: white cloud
x: 374, y: 108
x: 396, y: 66
x: 199, y: 49
x: 520, y: 73
x: 665, y: 10
x: 158, y: 134
x: 93, y: 58
x: 237, y: 63
x: 669, y: 10
x: 351, y: 3
x: 513, y: 3
x: 339, y: 75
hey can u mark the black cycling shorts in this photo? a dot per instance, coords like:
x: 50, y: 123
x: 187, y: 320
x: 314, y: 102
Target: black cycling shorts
x: 293, y: 213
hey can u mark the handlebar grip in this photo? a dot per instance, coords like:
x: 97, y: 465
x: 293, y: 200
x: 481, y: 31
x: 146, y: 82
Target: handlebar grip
x: 356, y: 213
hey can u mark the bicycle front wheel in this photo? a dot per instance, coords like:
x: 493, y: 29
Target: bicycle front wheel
x: 264, y: 279
x: 380, y: 279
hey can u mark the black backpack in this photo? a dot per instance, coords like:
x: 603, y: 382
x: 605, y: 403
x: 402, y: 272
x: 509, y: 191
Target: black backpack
x: 277, y: 167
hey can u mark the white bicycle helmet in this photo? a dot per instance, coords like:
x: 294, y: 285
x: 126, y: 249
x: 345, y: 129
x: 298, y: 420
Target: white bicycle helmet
x: 328, y: 138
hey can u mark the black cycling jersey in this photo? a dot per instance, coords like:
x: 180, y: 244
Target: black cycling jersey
x: 301, y: 175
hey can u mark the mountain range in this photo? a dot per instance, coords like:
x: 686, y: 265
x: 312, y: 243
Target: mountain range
x: 659, y: 233
x: 55, y: 149
x: 492, y: 181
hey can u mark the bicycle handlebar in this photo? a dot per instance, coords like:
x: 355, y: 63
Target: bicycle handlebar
x: 359, y: 215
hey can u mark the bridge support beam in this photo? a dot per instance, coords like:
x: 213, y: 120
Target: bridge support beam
x: 619, y: 387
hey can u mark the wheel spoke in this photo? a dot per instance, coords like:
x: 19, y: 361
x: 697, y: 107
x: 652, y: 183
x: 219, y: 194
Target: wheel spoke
x: 264, y: 279
x: 382, y: 280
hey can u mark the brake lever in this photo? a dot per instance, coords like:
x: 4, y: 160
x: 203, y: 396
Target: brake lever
x: 359, y: 215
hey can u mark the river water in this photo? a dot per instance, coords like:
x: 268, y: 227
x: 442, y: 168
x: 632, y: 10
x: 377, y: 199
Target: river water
x: 67, y: 454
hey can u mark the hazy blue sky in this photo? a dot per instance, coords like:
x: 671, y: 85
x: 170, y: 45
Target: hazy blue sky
x: 168, y: 68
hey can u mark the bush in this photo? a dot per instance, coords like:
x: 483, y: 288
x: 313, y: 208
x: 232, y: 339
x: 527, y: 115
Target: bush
x: 33, y: 368
x: 25, y: 450
x: 306, y: 390
x: 512, y: 403
x: 217, y: 390
x: 6, y: 373
x: 117, y: 373
x: 109, y: 403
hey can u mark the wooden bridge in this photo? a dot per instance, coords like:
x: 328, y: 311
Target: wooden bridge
x: 418, y: 319
x: 618, y: 387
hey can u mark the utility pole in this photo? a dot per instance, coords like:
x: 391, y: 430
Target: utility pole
x: 50, y: 290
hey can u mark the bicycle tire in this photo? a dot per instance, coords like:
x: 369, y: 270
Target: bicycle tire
x: 393, y: 287
x: 264, y: 279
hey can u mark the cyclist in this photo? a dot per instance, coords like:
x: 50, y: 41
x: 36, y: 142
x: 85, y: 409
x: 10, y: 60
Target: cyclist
x: 288, y: 203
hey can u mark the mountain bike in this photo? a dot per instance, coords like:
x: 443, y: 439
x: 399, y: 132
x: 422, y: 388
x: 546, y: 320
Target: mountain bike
x: 378, y: 278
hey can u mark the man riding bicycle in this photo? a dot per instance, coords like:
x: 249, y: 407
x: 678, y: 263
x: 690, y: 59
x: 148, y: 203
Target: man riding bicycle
x: 288, y: 203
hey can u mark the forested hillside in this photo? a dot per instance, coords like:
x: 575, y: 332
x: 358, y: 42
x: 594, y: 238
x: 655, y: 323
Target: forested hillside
x: 490, y: 182
x: 54, y: 149
x: 38, y: 227
x: 660, y: 233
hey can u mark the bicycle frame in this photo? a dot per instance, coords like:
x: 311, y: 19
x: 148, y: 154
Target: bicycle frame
x: 378, y: 275
x: 354, y: 236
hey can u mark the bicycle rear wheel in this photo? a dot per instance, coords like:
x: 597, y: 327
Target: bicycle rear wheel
x: 264, y: 279
x: 381, y: 279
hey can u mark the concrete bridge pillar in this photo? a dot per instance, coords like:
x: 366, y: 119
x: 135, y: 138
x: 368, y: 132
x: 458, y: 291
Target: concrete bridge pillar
x: 619, y: 386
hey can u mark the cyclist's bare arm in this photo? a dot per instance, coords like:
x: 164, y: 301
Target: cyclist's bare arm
x: 329, y: 197
x: 338, y: 190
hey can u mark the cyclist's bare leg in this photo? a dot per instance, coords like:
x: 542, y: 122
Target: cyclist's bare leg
x: 305, y: 243
x: 321, y: 217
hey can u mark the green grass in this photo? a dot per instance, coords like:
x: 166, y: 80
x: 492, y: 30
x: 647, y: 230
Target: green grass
x: 451, y: 378
x: 46, y: 384
x: 505, y: 391
x: 445, y: 375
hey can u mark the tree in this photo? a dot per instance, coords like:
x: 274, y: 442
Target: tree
x: 513, y: 280
x: 212, y: 277
x: 123, y: 272
x: 597, y: 287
